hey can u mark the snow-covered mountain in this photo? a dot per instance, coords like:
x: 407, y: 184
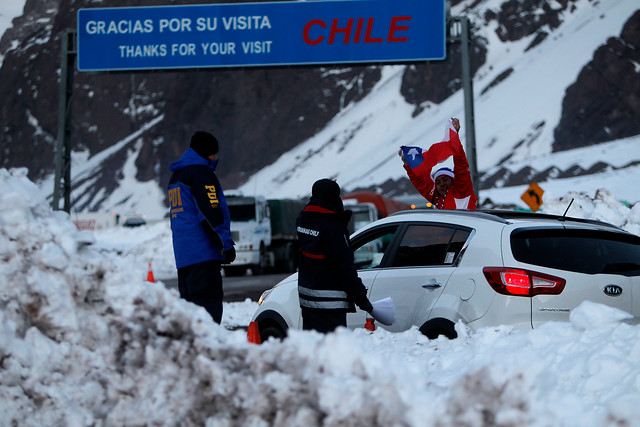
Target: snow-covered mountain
x: 549, y: 75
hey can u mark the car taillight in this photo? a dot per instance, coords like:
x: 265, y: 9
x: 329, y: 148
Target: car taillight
x: 524, y: 283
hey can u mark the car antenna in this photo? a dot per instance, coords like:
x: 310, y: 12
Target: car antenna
x: 567, y: 210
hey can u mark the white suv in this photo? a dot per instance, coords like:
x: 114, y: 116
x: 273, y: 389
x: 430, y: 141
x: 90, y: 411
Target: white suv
x: 484, y: 268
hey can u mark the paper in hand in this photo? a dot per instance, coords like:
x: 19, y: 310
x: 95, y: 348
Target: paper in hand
x: 384, y: 311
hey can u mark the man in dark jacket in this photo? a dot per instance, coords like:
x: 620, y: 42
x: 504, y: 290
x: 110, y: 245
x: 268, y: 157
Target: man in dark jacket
x: 200, y: 224
x: 328, y: 283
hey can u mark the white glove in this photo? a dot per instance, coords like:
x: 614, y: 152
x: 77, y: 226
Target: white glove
x: 384, y: 311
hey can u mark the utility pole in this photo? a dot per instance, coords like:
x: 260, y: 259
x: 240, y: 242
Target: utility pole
x: 62, y: 180
x: 460, y: 31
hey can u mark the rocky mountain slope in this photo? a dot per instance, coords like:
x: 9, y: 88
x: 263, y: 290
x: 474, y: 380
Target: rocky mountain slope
x: 260, y: 113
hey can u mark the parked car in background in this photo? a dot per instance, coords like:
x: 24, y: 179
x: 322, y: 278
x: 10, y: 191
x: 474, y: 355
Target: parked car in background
x: 484, y: 268
x: 133, y: 220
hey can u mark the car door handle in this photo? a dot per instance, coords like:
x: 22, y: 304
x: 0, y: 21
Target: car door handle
x: 433, y: 285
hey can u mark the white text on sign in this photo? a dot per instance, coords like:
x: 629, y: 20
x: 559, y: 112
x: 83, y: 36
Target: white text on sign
x: 178, y: 25
x: 189, y: 49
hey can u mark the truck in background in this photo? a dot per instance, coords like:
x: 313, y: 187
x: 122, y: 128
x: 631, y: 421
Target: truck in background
x: 369, y: 206
x: 264, y: 232
x: 362, y: 214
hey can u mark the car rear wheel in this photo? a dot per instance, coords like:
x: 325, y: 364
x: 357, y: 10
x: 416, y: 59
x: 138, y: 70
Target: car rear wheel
x: 439, y: 327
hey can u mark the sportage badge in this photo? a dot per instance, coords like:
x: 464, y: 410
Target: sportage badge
x: 612, y: 290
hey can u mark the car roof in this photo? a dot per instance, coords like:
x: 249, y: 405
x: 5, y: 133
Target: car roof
x: 506, y: 217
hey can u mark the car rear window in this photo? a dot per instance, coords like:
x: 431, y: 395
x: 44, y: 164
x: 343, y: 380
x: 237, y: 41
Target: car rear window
x: 582, y: 251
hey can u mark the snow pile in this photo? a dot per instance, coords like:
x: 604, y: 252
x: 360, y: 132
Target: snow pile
x: 602, y: 207
x: 85, y: 341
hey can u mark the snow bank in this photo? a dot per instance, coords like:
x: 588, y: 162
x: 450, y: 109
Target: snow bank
x: 85, y: 341
x: 602, y: 207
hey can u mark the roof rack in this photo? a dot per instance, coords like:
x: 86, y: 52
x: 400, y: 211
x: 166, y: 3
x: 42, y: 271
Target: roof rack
x: 462, y: 212
x: 508, y: 214
x: 502, y: 215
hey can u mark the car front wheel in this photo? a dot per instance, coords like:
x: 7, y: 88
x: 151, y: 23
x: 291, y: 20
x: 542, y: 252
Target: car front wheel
x: 272, y: 331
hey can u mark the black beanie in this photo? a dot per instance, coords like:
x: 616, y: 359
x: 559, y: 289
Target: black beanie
x: 204, y: 144
x: 327, y: 191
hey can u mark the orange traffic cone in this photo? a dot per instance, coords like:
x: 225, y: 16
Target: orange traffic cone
x: 253, y: 333
x: 150, y: 277
x: 370, y: 325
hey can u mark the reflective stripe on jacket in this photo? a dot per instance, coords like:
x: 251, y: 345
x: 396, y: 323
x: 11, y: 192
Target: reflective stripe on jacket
x: 324, y: 299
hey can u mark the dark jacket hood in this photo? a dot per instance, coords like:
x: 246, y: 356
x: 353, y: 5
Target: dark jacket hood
x: 335, y: 206
x: 190, y: 158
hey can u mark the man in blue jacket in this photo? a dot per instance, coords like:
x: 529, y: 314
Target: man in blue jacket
x: 200, y: 224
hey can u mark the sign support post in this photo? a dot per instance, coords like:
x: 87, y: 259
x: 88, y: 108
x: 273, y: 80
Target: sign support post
x: 461, y: 31
x: 62, y: 184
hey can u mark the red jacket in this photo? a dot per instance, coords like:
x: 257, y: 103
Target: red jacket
x: 459, y: 196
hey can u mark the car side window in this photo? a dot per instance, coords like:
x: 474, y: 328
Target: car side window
x: 428, y: 245
x: 456, y: 245
x: 369, y: 249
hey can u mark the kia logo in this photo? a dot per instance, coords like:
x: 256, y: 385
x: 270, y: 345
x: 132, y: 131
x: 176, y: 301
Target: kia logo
x: 612, y: 290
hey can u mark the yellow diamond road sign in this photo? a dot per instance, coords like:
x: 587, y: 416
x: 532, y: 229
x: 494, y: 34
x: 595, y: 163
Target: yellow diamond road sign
x: 533, y: 196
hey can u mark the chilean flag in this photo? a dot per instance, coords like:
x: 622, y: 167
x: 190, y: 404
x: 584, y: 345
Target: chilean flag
x: 422, y: 162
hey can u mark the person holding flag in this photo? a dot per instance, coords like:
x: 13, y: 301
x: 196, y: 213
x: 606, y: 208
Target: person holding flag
x: 446, y: 188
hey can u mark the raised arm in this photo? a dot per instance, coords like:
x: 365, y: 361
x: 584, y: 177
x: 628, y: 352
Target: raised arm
x: 423, y: 184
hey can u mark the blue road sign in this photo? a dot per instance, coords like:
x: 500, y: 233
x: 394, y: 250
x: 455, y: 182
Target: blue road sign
x: 256, y: 34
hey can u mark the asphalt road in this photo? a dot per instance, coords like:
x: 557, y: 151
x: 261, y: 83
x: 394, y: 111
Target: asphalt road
x: 240, y: 288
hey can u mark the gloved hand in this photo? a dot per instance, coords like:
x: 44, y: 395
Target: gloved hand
x: 229, y: 255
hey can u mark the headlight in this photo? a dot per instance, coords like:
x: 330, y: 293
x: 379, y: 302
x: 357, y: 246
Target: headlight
x: 264, y: 296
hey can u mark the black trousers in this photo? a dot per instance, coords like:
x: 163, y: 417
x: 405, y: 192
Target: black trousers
x: 201, y: 284
x: 322, y: 320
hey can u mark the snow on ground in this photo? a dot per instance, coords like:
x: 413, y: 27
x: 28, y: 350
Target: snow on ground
x: 143, y: 245
x: 84, y: 340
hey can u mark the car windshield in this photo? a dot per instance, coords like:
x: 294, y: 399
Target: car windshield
x: 582, y: 251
